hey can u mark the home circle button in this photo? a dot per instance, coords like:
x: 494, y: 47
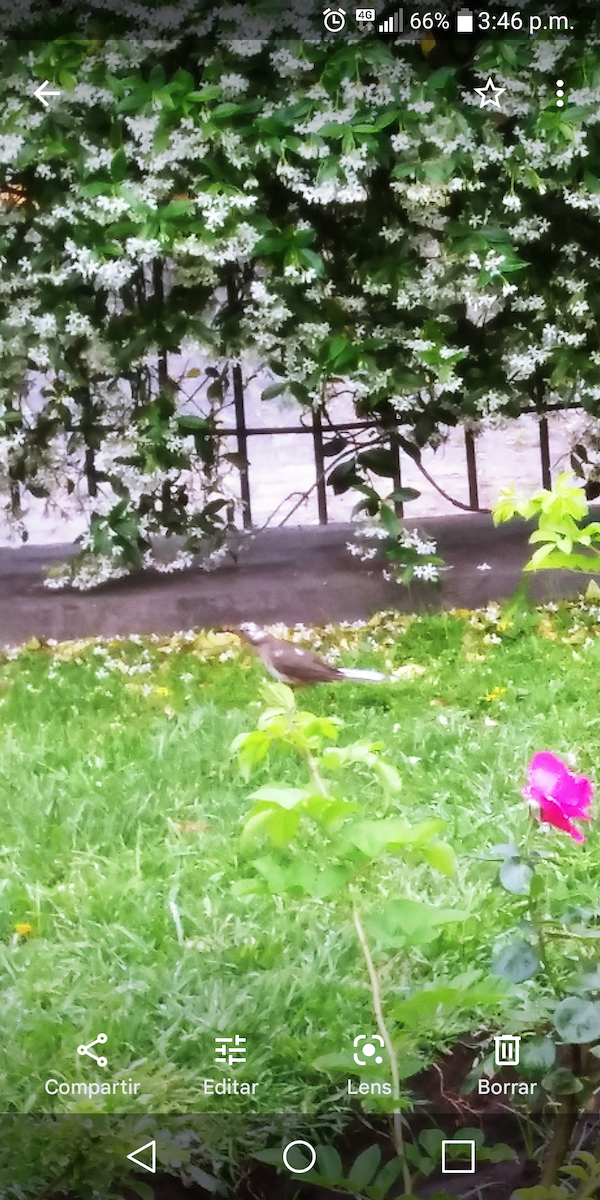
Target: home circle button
x: 299, y: 1170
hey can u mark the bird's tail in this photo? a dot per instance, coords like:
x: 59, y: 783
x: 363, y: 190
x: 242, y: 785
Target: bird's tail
x: 366, y: 676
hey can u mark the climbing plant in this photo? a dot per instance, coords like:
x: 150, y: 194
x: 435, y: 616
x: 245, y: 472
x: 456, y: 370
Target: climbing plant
x: 341, y: 211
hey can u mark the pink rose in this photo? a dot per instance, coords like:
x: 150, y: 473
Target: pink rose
x: 556, y: 795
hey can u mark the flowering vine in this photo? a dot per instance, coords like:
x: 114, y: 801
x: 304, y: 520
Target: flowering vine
x: 341, y: 211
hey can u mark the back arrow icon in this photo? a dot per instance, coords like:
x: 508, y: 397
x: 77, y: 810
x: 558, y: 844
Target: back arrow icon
x: 40, y: 93
x: 151, y: 1146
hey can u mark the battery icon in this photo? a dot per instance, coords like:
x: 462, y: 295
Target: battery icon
x: 464, y: 21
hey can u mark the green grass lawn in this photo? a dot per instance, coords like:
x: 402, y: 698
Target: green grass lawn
x: 121, y: 810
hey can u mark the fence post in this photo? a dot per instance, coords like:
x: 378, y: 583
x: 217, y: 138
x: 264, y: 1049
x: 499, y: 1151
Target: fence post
x: 242, y: 444
x: 317, y: 431
x: 472, y: 470
x: 545, y: 453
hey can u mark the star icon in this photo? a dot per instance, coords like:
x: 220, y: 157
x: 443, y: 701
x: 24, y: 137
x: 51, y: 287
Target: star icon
x: 490, y: 94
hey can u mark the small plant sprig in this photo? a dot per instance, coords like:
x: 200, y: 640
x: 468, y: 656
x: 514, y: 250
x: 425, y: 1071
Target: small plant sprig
x: 557, y: 799
x: 565, y: 542
x: 323, y: 846
x: 409, y: 555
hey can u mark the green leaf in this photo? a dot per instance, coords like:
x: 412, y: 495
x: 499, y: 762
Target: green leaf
x: 498, y: 1153
x: 389, y: 777
x: 141, y: 1189
x: 330, y: 1163
x: 279, y: 694
x: 329, y: 881
x: 515, y: 876
x: 364, y: 1167
x: 191, y: 424
x: 540, y: 556
x: 206, y: 1181
x: 387, y: 1177
x: 380, y: 461
x: 334, y: 446
x: 118, y: 167
x: 390, y: 522
x: 343, y: 477
x: 299, y: 391
x: 284, y: 796
x: 249, y: 886
x: 410, y: 922
x: 538, y: 1054
x: 562, y: 1082
x: 251, y: 749
x: 310, y: 258
x: 280, y: 825
x: 331, y: 813
x: 273, y: 390
x: 440, y: 856
x: 272, y: 872
x: 206, y: 93
x: 67, y: 80
x: 374, y: 837
x: 404, y: 494
x: 272, y: 1156
x: 431, y: 1140
x: 516, y: 962
x: 577, y: 1020
x: 334, y: 1063
x: 592, y: 592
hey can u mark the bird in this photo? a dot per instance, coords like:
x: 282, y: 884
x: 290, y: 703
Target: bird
x: 297, y: 667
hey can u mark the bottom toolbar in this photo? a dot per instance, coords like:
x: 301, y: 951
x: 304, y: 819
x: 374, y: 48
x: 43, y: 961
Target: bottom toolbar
x: 279, y: 1157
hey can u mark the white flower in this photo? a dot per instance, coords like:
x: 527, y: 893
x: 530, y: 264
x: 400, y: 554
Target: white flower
x: 287, y: 63
x: 233, y: 84
x: 10, y: 146
x: 78, y: 325
x: 427, y: 571
x: 142, y: 249
x: 401, y: 141
x: 512, y: 202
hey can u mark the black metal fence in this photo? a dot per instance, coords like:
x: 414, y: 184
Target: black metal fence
x: 322, y: 435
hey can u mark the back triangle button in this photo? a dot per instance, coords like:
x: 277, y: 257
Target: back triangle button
x: 151, y: 1146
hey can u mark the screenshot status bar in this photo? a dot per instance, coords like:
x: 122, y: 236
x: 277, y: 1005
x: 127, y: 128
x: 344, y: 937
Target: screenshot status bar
x: 441, y: 22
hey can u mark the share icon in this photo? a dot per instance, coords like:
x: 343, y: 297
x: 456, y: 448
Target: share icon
x: 101, y: 1060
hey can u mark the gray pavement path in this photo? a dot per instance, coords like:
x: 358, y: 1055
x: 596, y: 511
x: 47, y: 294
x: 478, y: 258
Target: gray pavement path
x: 302, y: 574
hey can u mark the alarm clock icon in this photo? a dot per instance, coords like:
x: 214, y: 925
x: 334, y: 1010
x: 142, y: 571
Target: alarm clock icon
x: 334, y: 19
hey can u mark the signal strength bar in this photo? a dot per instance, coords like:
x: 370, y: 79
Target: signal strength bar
x: 393, y: 24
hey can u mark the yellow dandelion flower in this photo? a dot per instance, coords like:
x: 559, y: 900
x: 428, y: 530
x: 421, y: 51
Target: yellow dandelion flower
x: 23, y: 929
x: 495, y: 694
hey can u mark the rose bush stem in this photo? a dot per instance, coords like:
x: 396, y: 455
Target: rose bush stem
x: 375, y: 985
x: 559, y: 1143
